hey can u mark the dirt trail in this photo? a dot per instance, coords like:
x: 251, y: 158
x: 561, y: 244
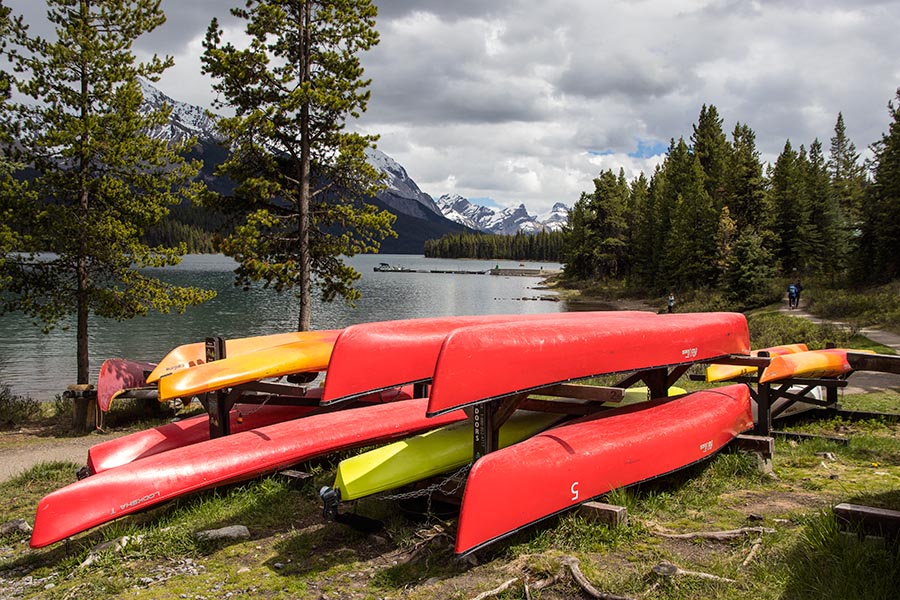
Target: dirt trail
x: 21, y: 450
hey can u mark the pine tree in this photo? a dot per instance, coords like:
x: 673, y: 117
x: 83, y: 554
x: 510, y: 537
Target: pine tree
x: 786, y: 194
x: 848, y: 176
x: 690, y: 259
x: 711, y: 148
x: 300, y: 175
x: 877, y: 259
x: 100, y: 180
x: 829, y: 252
x: 746, y: 188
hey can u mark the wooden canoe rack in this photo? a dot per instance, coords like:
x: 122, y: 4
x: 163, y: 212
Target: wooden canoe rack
x: 488, y: 417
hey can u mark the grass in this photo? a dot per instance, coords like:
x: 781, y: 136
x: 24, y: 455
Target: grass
x: 293, y: 553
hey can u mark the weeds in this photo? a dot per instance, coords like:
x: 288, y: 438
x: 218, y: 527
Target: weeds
x: 16, y: 410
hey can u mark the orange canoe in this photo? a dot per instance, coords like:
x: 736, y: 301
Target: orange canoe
x: 191, y: 355
x: 725, y: 372
x: 830, y: 362
x: 303, y: 356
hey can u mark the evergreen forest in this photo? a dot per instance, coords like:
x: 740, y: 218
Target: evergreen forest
x: 712, y: 217
x: 542, y: 246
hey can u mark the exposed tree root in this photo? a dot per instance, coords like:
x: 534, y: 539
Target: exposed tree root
x: 497, y: 590
x: 581, y: 580
x: 717, y: 535
x: 667, y: 569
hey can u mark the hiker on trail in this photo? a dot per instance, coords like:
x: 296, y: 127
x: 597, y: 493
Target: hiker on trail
x: 793, y: 296
x: 671, y: 302
x: 799, y: 289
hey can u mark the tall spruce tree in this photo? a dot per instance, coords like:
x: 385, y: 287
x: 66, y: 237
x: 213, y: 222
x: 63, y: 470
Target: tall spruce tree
x: 300, y: 175
x: 877, y: 259
x: 786, y: 194
x: 690, y: 259
x: 712, y: 149
x: 848, y: 175
x: 100, y: 178
x: 828, y: 248
x: 746, y: 196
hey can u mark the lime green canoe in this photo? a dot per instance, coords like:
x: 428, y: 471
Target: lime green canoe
x: 439, y: 451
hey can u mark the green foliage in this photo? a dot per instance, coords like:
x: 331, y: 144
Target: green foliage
x: 826, y: 563
x: 16, y: 409
x: 878, y: 305
x: 598, y: 247
x: 299, y: 174
x: 773, y: 329
x: 878, y: 260
x: 542, y: 246
x: 100, y: 178
x: 750, y: 275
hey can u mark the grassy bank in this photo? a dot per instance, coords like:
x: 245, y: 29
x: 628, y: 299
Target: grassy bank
x: 293, y: 553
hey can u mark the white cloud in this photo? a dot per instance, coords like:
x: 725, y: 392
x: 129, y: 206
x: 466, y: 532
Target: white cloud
x: 514, y: 99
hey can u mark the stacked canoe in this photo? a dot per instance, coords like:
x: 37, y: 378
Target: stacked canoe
x: 556, y: 444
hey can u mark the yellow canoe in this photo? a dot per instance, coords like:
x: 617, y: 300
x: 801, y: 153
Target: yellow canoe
x: 440, y: 451
x: 830, y: 362
x: 303, y: 356
x: 191, y: 355
x: 716, y: 373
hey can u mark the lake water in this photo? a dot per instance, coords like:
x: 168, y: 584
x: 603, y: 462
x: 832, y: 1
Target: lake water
x: 42, y: 365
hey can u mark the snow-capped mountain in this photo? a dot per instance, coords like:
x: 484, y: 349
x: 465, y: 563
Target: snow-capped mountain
x: 186, y: 120
x: 505, y: 222
x: 556, y: 218
x: 419, y: 216
x: 402, y: 193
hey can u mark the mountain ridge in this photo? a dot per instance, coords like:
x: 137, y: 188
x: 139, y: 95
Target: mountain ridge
x: 420, y: 217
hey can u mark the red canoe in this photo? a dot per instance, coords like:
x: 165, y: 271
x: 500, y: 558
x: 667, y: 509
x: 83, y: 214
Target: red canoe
x: 570, y: 464
x: 117, y: 375
x: 141, y: 444
x: 376, y: 356
x: 232, y: 458
x: 491, y: 361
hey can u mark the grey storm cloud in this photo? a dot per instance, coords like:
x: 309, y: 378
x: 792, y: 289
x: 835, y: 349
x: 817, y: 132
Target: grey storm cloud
x: 527, y: 100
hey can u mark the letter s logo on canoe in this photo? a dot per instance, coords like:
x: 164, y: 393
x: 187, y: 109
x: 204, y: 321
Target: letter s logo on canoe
x: 574, y: 490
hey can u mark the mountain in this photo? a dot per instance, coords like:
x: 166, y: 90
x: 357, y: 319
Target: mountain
x: 418, y: 217
x: 507, y: 221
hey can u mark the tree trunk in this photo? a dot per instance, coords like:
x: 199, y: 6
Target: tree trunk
x: 82, y: 293
x: 303, y: 208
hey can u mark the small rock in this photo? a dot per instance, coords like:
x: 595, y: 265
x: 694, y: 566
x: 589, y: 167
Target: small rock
x: 755, y: 517
x: 15, y: 526
x: 278, y: 565
x: 243, y: 570
x: 233, y: 532
x: 826, y: 455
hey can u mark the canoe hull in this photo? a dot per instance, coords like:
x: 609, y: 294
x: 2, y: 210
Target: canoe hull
x: 374, y: 356
x: 574, y: 462
x: 716, y: 373
x: 426, y: 455
x: 142, y: 444
x: 136, y: 486
x: 491, y: 361
x: 117, y: 375
x: 191, y: 355
x: 831, y: 362
x: 310, y: 354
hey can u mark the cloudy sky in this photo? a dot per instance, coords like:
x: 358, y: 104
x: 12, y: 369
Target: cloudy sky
x: 525, y: 101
